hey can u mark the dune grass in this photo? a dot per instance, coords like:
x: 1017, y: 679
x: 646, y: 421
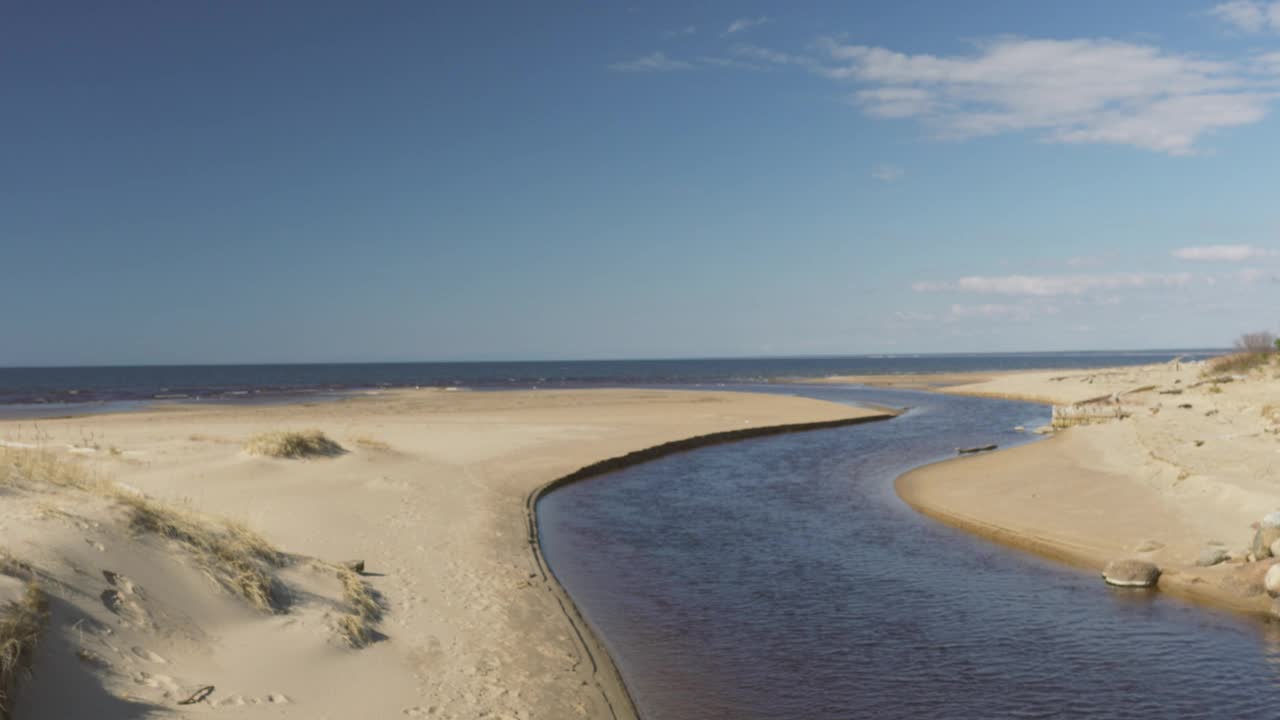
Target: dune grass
x: 21, y: 622
x: 1239, y: 363
x: 234, y: 556
x: 293, y: 444
x: 364, y: 609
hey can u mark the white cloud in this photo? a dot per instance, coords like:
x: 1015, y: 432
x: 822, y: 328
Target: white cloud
x: 1053, y: 285
x: 741, y: 24
x: 1223, y: 253
x: 1249, y: 16
x: 992, y: 311
x: 1068, y: 91
x: 888, y: 173
x: 654, y: 62
x: 776, y: 57
x: 723, y: 62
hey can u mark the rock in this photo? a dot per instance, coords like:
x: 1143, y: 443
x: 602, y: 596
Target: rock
x: 356, y: 566
x: 1211, y: 556
x: 1147, y: 546
x: 1275, y: 549
x: 1019, y: 428
x: 1271, y: 519
x: 1131, y: 573
x: 1271, y: 581
x: 1044, y: 430
x: 1275, y: 608
x: 1262, y: 540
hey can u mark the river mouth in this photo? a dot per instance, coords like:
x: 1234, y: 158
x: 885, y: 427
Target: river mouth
x: 781, y: 577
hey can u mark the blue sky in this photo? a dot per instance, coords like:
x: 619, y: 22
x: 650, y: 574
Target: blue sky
x: 279, y: 182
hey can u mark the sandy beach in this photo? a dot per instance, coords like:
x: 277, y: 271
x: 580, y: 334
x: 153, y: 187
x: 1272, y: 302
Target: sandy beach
x: 1183, y: 468
x: 429, y: 491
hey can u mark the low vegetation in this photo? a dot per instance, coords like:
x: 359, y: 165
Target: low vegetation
x: 234, y: 556
x: 231, y: 554
x: 1252, y: 351
x: 364, y: 609
x: 292, y: 444
x: 21, y: 622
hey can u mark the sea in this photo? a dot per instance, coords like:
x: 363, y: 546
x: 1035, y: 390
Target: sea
x: 81, y: 388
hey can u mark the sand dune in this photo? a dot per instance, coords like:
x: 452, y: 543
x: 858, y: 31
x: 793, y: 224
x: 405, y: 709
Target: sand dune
x: 428, y: 490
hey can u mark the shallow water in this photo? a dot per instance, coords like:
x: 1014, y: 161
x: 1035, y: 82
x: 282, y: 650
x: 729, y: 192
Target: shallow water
x: 781, y: 577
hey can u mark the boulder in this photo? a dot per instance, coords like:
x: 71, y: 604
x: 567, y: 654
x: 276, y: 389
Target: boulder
x: 1271, y: 581
x: 1271, y: 520
x: 1262, y: 540
x: 1275, y: 548
x: 1131, y: 573
x: 1211, y: 556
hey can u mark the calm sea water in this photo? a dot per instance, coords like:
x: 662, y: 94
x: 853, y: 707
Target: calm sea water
x: 78, y: 385
x: 781, y: 578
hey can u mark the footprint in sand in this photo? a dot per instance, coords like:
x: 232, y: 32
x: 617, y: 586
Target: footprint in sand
x: 124, y: 607
x: 149, y: 656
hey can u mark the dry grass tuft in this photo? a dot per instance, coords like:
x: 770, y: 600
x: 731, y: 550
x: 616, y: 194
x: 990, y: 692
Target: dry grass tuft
x: 305, y: 444
x: 236, y: 557
x: 36, y: 466
x: 364, y: 609
x: 20, y: 626
x: 1240, y: 363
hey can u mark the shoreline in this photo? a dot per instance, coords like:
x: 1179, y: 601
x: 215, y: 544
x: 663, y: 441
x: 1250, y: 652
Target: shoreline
x: 613, y: 685
x: 1142, y: 485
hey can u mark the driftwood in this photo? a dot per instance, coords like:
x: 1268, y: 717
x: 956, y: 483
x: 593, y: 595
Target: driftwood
x: 198, y: 695
x: 970, y: 451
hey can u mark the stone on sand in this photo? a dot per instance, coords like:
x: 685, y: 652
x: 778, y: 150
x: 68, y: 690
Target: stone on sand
x: 1262, y: 540
x: 1131, y: 572
x: 1211, y: 556
x: 1271, y: 581
x: 1271, y: 520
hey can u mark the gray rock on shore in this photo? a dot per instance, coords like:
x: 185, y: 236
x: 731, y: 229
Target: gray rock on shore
x: 1271, y: 520
x: 1271, y: 581
x: 1262, y: 540
x: 1131, y: 572
x: 1211, y: 556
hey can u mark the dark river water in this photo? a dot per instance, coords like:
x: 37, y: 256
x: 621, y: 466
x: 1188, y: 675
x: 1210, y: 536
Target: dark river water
x: 781, y: 577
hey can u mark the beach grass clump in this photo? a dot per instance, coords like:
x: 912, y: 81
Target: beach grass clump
x: 293, y: 445
x: 39, y: 465
x: 364, y: 609
x: 21, y: 622
x: 237, y: 558
x: 1240, y: 363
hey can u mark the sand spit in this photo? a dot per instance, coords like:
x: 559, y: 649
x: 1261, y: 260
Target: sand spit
x: 451, y: 616
x: 1174, y: 464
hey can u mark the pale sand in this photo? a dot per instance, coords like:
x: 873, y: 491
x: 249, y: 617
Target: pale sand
x: 1182, y: 479
x: 432, y: 496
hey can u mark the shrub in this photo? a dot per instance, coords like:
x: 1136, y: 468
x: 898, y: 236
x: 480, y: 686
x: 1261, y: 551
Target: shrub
x: 308, y: 443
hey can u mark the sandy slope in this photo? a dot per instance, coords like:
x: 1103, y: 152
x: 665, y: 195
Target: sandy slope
x: 431, y: 495
x: 1192, y: 466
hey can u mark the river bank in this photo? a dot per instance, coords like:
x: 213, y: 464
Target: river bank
x: 429, y: 489
x: 1176, y: 466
